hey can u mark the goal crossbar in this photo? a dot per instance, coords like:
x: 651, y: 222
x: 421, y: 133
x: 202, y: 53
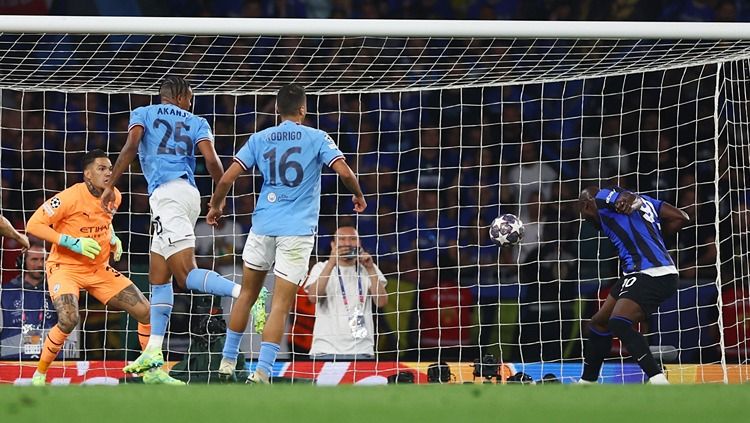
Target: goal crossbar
x: 374, y: 27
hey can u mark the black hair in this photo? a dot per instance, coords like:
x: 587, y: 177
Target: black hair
x: 91, y: 156
x: 172, y: 86
x: 290, y: 98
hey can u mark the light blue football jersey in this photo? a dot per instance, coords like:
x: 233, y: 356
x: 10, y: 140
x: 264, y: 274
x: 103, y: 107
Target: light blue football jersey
x: 290, y: 157
x: 170, y: 138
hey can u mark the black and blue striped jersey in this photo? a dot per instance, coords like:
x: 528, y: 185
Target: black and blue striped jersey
x: 637, y: 236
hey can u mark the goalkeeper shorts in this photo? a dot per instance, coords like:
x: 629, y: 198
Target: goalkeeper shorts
x: 175, y: 207
x: 103, y: 282
x: 289, y: 255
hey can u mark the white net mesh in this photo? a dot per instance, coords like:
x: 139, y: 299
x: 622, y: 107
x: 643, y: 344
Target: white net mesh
x: 445, y: 135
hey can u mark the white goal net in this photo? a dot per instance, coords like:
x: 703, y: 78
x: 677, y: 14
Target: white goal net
x: 445, y: 134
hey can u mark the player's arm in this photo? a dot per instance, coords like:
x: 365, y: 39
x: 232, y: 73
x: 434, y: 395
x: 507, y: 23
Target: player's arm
x: 8, y: 231
x: 219, y: 197
x: 40, y: 225
x: 351, y: 183
x: 127, y: 155
x: 672, y: 219
x: 213, y: 163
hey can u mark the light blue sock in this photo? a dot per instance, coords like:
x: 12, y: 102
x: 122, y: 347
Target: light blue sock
x: 211, y: 282
x: 232, y: 345
x: 162, y: 299
x: 268, y: 352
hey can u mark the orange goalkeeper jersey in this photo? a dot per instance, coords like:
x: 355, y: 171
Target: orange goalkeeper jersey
x: 75, y: 212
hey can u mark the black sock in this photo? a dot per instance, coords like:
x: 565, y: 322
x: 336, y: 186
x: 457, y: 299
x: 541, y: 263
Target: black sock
x: 635, y: 343
x: 597, y: 347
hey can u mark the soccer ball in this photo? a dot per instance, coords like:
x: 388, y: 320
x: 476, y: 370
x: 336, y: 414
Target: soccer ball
x: 506, y: 230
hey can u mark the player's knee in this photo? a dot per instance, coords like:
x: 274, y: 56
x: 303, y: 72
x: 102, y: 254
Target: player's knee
x: 180, y: 273
x: 142, y: 313
x: 620, y: 326
x: 599, y: 324
x: 67, y: 321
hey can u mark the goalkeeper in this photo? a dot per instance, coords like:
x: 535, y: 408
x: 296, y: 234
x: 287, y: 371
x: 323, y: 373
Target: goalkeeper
x: 82, y: 238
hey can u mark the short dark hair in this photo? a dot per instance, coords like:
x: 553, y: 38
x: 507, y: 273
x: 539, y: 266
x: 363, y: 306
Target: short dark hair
x: 290, y: 98
x: 91, y: 156
x: 172, y: 86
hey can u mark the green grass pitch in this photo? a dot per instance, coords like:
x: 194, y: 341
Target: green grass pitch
x: 383, y: 404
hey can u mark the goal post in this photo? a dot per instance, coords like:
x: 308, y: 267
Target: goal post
x: 448, y: 124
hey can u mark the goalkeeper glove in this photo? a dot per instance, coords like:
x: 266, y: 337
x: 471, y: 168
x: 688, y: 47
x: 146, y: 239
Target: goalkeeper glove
x: 84, y: 246
x: 115, y: 242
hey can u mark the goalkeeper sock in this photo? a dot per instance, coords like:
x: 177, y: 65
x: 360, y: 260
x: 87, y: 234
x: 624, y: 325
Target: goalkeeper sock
x: 52, y: 345
x: 211, y: 282
x: 597, y: 347
x: 232, y: 345
x: 635, y: 343
x: 144, y: 331
x: 267, y: 356
x: 162, y: 299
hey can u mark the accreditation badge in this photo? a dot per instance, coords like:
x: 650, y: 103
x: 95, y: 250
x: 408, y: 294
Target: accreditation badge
x: 32, y: 337
x: 357, y: 323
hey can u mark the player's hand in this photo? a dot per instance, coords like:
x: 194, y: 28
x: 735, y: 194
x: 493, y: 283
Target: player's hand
x: 84, y: 246
x: 359, y: 204
x: 108, y: 200
x: 116, y: 244
x: 365, y: 259
x: 627, y: 202
x: 213, y: 216
x: 24, y: 241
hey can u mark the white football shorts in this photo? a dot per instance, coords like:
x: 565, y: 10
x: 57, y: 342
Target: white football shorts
x: 175, y: 207
x: 289, y: 255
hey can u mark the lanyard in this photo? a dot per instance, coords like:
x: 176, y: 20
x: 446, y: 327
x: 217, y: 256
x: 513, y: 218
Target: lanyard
x: 343, y: 290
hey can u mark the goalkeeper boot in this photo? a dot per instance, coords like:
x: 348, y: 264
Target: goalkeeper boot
x: 226, y: 370
x: 150, y: 358
x: 258, y: 377
x: 258, y: 311
x: 159, y: 377
x: 39, y: 379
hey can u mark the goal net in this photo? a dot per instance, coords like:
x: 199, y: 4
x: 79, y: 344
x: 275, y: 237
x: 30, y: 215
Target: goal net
x: 445, y: 134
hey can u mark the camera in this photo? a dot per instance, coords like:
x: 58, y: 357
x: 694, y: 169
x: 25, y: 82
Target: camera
x: 487, y: 367
x: 352, y: 253
x: 206, y: 319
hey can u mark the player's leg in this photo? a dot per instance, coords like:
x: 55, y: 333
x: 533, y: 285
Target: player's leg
x: 131, y: 300
x: 252, y: 283
x: 177, y: 205
x: 258, y: 257
x: 284, y: 293
x: 625, y: 314
x: 65, y: 299
x: 159, y: 311
x: 599, y: 342
x: 292, y: 256
x: 189, y: 276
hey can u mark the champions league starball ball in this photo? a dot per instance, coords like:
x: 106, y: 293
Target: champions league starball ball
x: 506, y: 230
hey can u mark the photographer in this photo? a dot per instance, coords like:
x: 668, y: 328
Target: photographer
x: 344, y: 288
x: 26, y: 311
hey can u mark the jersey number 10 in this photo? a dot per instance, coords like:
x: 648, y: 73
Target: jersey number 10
x: 284, y: 165
x: 177, y: 148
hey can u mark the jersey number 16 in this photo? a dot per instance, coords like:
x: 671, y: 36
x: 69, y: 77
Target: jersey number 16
x: 284, y: 165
